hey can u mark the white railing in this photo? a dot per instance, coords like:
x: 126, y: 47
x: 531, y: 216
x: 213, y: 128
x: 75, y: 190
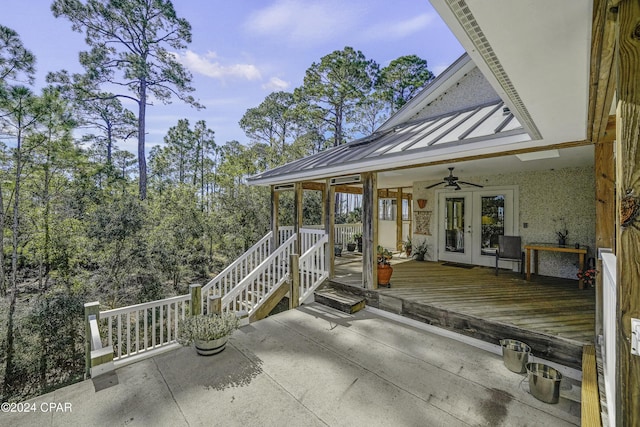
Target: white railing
x: 261, y: 282
x: 138, y: 329
x: 229, y: 278
x: 609, y: 331
x: 344, y: 233
x: 285, y: 232
x: 309, y: 237
x: 313, y: 268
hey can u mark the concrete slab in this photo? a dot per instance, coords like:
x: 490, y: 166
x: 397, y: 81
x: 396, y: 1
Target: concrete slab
x: 306, y: 367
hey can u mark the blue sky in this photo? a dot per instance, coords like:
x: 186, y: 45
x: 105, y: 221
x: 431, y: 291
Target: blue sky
x: 243, y: 50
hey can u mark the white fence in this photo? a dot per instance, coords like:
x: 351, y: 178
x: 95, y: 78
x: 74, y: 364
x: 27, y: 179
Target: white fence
x: 343, y: 233
x: 609, y: 331
x: 138, y: 329
x: 143, y: 330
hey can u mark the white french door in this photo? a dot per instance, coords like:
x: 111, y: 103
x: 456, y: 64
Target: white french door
x: 469, y: 223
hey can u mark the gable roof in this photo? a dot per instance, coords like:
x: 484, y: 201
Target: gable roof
x: 412, y: 136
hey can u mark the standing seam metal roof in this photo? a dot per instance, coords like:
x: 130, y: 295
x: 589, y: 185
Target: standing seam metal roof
x: 483, y: 122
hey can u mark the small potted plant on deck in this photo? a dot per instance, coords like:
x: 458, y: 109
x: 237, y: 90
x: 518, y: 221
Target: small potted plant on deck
x: 209, y: 334
x: 358, y: 238
x: 420, y: 251
x: 351, y: 246
x: 384, y: 267
x: 407, y: 246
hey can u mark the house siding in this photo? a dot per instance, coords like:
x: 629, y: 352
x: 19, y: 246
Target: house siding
x: 547, y: 199
x: 472, y: 90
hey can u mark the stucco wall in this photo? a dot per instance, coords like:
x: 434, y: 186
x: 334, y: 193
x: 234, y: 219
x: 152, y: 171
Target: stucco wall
x: 547, y: 200
x: 472, y: 90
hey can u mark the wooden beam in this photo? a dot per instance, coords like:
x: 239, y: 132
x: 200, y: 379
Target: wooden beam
x: 627, y: 201
x: 275, y: 205
x: 590, y: 408
x: 369, y: 231
x: 386, y: 193
x: 316, y: 186
x: 602, y: 75
x: 605, y: 195
x: 347, y: 189
x: 297, y: 215
x: 329, y: 226
x: 399, y: 236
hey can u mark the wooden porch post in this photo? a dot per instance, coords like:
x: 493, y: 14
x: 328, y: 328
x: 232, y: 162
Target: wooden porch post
x: 329, y: 215
x: 627, y: 206
x: 399, y: 236
x: 369, y: 230
x: 297, y: 215
x: 275, y: 202
x: 605, y: 211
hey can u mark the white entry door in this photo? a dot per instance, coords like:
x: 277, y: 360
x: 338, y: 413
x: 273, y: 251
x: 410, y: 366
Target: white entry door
x: 471, y: 221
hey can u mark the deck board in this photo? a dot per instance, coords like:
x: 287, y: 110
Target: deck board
x: 545, y: 306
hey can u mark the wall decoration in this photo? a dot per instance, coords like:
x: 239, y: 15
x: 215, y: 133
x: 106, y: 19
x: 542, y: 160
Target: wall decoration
x: 422, y: 203
x: 423, y: 222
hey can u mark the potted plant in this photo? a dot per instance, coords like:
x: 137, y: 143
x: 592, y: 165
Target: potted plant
x: 588, y: 277
x: 384, y: 267
x: 209, y: 334
x: 358, y: 238
x: 337, y: 250
x: 562, y: 237
x: 420, y: 251
x: 407, y: 246
x: 351, y: 246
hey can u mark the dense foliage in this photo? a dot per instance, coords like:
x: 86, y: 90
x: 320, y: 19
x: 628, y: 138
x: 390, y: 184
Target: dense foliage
x: 73, y: 225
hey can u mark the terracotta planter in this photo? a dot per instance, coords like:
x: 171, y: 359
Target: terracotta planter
x: 384, y: 275
x: 211, y: 347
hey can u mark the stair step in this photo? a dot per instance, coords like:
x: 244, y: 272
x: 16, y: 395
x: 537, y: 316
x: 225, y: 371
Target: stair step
x: 340, y: 300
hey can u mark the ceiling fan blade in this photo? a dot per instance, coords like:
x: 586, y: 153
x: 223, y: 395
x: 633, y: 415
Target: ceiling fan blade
x: 433, y: 185
x: 471, y: 183
x: 457, y: 187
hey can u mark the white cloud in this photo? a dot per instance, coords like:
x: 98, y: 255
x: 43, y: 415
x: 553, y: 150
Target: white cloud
x: 303, y: 21
x: 276, y: 84
x: 401, y: 29
x: 205, y: 65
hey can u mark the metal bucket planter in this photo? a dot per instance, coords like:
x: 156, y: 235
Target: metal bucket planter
x: 544, y: 382
x: 515, y: 355
x: 211, y: 347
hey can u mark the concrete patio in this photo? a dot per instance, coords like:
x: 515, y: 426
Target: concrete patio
x: 306, y: 367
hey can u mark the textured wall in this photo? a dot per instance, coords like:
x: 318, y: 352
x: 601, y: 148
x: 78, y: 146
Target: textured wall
x: 472, y: 90
x: 547, y: 200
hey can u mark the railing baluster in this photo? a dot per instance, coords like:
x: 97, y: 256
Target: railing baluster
x: 119, y: 336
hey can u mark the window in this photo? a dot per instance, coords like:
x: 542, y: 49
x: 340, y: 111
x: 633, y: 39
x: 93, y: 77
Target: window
x: 387, y: 209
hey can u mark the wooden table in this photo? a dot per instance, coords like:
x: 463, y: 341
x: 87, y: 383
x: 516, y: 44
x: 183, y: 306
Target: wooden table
x: 550, y: 247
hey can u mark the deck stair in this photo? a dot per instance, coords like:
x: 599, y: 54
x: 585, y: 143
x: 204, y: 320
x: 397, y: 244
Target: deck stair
x: 340, y: 300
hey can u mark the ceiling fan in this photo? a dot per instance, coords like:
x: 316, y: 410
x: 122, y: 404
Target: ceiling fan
x: 452, y: 181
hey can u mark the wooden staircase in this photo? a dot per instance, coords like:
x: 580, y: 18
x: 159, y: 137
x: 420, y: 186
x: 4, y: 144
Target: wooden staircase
x: 339, y: 299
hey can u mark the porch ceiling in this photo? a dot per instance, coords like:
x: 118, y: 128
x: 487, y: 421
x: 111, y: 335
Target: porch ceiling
x: 535, y: 53
x: 568, y: 157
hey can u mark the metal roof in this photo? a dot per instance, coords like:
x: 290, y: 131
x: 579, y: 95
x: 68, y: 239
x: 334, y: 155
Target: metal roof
x: 409, y: 143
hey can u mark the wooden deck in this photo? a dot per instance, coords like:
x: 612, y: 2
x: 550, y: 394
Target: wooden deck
x: 552, y: 315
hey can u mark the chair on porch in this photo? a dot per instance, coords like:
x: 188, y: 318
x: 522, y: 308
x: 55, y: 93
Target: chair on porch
x: 510, y: 249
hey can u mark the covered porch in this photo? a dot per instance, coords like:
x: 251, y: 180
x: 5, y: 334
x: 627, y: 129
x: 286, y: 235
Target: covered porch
x: 550, y: 314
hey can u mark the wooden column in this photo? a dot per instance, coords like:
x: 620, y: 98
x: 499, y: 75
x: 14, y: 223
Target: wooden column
x: 627, y: 200
x: 294, y: 285
x: 369, y: 230
x: 297, y: 215
x: 329, y: 215
x: 605, y: 210
x: 195, y: 305
x: 275, y: 204
x: 399, y: 236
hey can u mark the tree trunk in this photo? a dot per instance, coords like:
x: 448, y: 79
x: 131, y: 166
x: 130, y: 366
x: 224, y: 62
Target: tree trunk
x: 142, y: 162
x: 3, y: 282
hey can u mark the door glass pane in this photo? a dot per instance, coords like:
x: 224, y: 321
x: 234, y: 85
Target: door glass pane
x: 454, y: 224
x: 492, y: 223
